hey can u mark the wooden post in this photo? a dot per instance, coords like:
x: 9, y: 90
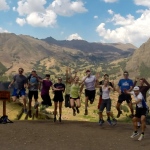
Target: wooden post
x: 4, y: 96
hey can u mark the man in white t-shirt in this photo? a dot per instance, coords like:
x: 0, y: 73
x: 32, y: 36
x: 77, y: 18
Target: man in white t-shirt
x: 89, y: 89
x: 140, y: 115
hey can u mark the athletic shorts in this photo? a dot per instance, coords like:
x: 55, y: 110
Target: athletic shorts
x: 75, y: 98
x: 90, y: 94
x: 17, y: 92
x: 58, y: 98
x: 140, y: 112
x: 106, y: 103
x: 124, y: 97
x: 46, y: 100
x: 33, y: 93
x: 67, y: 100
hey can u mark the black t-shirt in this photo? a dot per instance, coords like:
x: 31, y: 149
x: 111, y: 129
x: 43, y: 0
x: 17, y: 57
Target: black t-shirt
x: 59, y: 86
x: 102, y: 83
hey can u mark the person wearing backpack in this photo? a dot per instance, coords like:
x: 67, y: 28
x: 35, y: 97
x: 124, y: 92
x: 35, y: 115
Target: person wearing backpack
x: 33, y: 86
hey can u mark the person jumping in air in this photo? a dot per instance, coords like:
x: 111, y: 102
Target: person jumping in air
x: 58, y: 89
x: 106, y: 103
x: 20, y: 85
x: 75, y: 95
x: 124, y: 84
x: 140, y: 114
x: 90, y: 91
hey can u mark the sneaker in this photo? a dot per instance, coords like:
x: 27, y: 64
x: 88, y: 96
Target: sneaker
x: 134, y: 134
x: 119, y: 113
x: 29, y: 113
x: 25, y: 111
x: 114, y: 122
x: 141, y: 137
x: 55, y: 119
x: 36, y: 105
x: 74, y: 112
x: 78, y: 111
x: 86, y: 112
x: 101, y: 122
x: 59, y: 119
x: 109, y: 122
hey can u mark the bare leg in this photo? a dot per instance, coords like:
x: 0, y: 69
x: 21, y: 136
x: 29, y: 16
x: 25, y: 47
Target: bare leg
x: 131, y: 108
x: 143, y: 125
x: 14, y: 98
x: 55, y: 109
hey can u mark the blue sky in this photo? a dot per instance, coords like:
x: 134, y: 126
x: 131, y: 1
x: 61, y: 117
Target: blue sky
x: 125, y: 21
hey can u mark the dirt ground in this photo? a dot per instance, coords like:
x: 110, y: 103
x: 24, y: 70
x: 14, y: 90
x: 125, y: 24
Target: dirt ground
x: 75, y: 135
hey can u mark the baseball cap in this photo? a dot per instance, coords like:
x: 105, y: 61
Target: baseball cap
x: 136, y: 88
x: 88, y: 71
x: 33, y: 70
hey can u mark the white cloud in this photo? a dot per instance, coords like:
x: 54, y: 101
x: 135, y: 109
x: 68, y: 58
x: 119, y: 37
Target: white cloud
x: 74, y: 36
x: 130, y: 30
x: 110, y: 1
x: 95, y: 17
x: 140, y: 11
x: 62, y: 32
x: 20, y: 21
x: 38, y: 15
x: 110, y: 12
x: 3, y: 5
x: 42, y: 19
x: 26, y: 7
x: 3, y: 30
x: 14, y: 8
x: 67, y: 7
x: 142, y: 2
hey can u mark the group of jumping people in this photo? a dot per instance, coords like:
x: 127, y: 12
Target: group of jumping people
x: 73, y: 90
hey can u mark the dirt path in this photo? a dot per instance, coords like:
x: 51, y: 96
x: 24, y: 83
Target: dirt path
x: 69, y: 135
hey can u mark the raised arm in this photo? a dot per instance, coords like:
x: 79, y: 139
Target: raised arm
x: 146, y: 82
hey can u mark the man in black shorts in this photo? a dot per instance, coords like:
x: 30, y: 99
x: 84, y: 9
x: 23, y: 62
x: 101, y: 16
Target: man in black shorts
x: 125, y: 84
x: 140, y: 115
x: 58, y: 88
x: 89, y: 89
x: 33, y: 85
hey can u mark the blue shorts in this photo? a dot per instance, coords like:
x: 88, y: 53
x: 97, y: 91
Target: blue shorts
x: 17, y: 92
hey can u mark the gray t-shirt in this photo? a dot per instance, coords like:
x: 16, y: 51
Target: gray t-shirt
x: 20, y: 80
x: 90, y: 82
x: 33, y: 83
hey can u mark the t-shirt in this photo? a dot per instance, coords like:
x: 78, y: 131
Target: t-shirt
x: 46, y: 84
x: 105, y: 93
x: 74, y: 91
x: 102, y: 83
x: 90, y: 82
x: 125, y: 84
x: 20, y: 80
x: 33, y: 83
x: 59, y: 86
x: 141, y: 104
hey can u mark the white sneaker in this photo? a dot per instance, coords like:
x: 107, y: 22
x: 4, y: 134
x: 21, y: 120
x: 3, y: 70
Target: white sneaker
x: 134, y: 134
x: 141, y: 137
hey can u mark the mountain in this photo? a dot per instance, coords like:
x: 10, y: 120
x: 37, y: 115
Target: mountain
x: 53, y: 57
x: 139, y: 63
x: 105, y: 50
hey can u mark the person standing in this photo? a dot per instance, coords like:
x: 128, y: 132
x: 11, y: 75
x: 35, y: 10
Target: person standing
x: 90, y: 91
x: 125, y: 84
x: 20, y: 85
x: 58, y: 89
x: 140, y: 115
x: 33, y: 86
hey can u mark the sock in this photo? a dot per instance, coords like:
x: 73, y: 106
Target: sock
x: 142, y: 133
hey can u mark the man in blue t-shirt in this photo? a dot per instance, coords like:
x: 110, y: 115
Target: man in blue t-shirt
x: 125, y: 85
